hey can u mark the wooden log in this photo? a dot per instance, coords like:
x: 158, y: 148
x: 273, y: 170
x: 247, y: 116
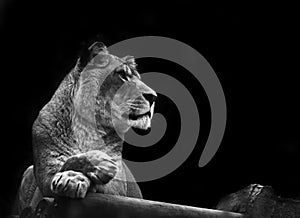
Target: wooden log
x: 108, y: 206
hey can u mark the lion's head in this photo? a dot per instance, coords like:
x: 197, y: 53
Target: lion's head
x: 111, y: 94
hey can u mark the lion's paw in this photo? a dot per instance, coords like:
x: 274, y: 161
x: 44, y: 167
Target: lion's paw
x: 102, y: 174
x: 70, y: 183
x: 104, y: 167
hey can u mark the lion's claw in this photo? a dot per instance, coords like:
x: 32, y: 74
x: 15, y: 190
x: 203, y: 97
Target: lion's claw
x: 70, y: 183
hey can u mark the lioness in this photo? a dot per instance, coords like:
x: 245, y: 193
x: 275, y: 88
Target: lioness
x: 78, y: 136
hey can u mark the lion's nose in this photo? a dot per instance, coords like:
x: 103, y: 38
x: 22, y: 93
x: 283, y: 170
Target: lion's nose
x: 150, y: 97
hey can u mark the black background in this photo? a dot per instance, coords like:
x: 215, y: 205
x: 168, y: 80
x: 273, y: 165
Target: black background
x: 252, y: 49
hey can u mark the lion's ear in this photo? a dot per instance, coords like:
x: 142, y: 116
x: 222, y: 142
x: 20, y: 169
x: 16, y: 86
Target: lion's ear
x: 89, y: 52
x: 96, y: 48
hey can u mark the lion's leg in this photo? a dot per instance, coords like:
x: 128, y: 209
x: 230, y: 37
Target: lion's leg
x: 29, y: 194
x: 73, y: 179
x: 133, y: 190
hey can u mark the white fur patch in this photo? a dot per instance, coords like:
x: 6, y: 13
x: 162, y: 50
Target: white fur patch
x: 142, y: 123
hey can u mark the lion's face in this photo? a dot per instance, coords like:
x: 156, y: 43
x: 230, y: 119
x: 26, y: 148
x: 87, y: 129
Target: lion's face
x: 133, y: 103
x: 112, y: 95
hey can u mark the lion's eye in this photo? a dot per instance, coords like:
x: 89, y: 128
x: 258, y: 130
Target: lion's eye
x: 124, y: 78
x: 123, y: 73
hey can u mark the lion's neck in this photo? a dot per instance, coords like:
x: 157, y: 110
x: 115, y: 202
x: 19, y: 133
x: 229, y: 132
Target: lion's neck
x: 89, y: 137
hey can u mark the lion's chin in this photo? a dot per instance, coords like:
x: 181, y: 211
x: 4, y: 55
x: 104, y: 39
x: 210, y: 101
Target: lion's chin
x: 143, y: 122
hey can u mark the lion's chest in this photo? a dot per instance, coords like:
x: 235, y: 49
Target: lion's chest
x: 86, y: 138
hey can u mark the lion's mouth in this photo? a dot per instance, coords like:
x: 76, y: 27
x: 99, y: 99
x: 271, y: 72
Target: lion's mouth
x: 141, y: 121
x: 139, y: 116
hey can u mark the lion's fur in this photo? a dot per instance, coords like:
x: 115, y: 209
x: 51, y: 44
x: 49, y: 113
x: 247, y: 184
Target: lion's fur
x: 80, y: 118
